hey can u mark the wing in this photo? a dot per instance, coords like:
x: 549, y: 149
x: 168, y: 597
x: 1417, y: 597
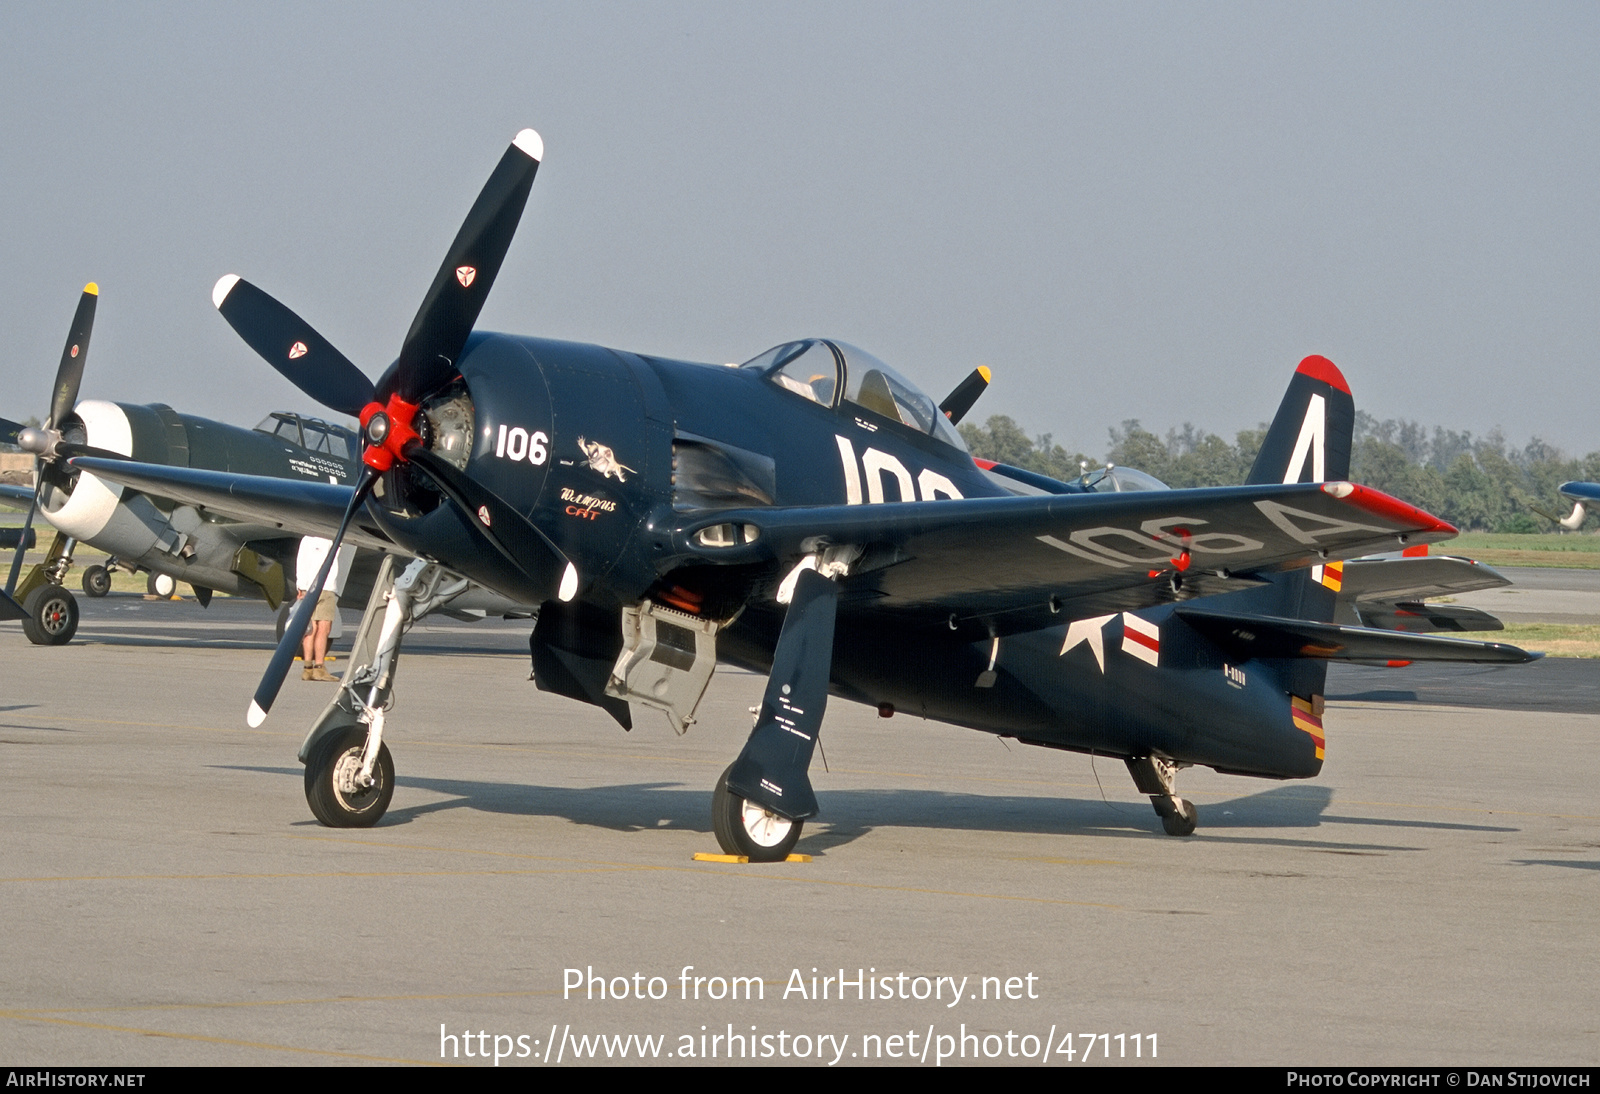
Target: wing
x: 273, y: 506
x: 1268, y: 636
x: 18, y: 497
x: 1417, y: 578
x: 1021, y: 563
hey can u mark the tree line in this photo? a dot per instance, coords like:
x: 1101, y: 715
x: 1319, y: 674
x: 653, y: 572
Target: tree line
x: 1480, y: 484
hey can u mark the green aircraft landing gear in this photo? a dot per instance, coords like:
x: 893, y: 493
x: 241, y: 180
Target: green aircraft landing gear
x: 52, y: 616
x: 1158, y: 777
x: 96, y: 581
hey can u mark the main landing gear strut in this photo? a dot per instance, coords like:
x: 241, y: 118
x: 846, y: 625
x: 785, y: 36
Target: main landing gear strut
x: 762, y: 799
x: 1158, y: 777
x: 52, y: 613
x: 349, y: 772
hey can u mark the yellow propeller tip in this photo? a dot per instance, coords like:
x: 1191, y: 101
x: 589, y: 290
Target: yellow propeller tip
x: 983, y: 370
x: 92, y: 289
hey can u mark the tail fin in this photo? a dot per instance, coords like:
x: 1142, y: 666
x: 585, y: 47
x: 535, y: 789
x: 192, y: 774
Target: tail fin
x: 1309, y: 441
x: 1311, y: 436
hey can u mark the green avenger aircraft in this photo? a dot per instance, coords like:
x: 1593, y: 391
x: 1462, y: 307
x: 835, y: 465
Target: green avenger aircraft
x: 143, y: 532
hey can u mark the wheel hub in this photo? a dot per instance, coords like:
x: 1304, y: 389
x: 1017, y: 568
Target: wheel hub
x: 765, y: 827
x: 347, y: 778
x: 54, y: 617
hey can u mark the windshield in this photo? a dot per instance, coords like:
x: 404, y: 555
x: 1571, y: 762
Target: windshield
x: 809, y: 368
x: 1120, y: 480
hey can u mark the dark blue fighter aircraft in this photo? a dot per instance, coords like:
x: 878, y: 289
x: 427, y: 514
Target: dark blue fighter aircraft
x: 815, y: 516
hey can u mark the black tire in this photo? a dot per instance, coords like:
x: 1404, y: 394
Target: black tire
x: 96, y: 581
x: 336, y: 808
x: 162, y: 585
x: 744, y: 828
x: 52, y: 616
x: 1181, y: 821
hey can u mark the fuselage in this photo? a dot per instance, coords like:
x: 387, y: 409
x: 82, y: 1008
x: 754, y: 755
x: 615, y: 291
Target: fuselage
x: 605, y: 449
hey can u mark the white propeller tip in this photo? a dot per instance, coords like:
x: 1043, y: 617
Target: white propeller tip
x: 569, y: 584
x: 220, y: 291
x: 531, y: 144
x: 256, y: 715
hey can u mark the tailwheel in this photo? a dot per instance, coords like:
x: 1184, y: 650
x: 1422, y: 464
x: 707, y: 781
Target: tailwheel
x: 52, y: 616
x: 1178, y: 815
x: 745, y: 828
x: 333, y: 780
x: 1158, y: 777
x: 96, y: 581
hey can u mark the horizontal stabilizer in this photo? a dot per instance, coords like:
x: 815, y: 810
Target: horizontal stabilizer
x: 1270, y: 636
x: 1419, y: 618
x: 1417, y: 578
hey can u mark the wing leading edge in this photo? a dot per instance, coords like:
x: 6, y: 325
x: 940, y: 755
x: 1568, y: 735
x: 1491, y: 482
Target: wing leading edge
x: 1022, y: 563
x: 298, y: 507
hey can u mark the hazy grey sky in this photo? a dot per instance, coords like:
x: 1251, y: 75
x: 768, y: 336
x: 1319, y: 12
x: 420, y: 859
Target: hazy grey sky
x: 1128, y: 211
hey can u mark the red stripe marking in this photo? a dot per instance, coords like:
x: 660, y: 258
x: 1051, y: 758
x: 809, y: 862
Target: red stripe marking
x: 1418, y: 551
x: 987, y: 465
x: 1320, y: 368
x: 1149, y: 642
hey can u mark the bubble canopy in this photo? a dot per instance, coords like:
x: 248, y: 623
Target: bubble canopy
x: 814, y: 367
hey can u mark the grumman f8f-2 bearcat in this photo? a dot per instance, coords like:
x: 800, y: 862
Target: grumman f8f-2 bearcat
x: 813, y: 515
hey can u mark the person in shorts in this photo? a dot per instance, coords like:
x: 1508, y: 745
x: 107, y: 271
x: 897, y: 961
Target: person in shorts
x: 314, y: 647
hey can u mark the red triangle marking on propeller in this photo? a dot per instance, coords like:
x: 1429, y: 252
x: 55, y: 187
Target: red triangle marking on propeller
x: 74, y: 352
x: 465, y: 275
x: 297, y: 350
x: 483, y: 515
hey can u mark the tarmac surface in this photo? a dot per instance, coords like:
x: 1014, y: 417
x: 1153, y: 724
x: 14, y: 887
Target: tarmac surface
x: 1431, y: 898
x: 1538, y: 595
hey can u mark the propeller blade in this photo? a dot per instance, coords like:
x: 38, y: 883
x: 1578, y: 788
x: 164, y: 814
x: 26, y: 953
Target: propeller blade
x: 283, y: 656
x: 64, y: 396
x: 517, y: 539
x: 292, y: 346
x: 22, y: 544
x: 438, y: 333
x: 9, y: 431
x: 66, y: 450
x: 958, y: 402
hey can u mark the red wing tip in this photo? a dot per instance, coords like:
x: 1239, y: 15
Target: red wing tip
x: 1320, y: 368
x: 1390, y: 508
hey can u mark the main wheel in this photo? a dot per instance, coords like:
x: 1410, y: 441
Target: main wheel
x: 96, y: 581
x: 1181, y: 821
x: 331, y: 792
x: 162, y: 585
x: 52, y: 616
x: 745, y: 828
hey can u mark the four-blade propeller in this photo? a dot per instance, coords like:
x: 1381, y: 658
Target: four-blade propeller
x: 427, y: 363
